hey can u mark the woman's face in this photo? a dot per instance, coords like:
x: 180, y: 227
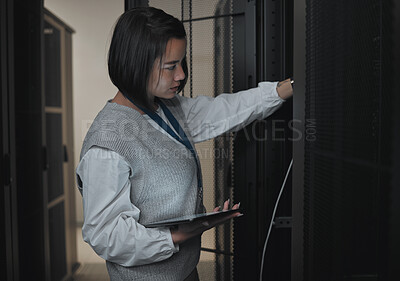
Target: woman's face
x: 165, y: 84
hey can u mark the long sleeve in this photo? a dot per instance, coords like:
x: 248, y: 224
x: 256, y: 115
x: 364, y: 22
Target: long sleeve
x: 209, y: 117
x: 110, y: 219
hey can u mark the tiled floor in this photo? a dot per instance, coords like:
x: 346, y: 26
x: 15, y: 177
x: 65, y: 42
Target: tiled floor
x: 93, y: 268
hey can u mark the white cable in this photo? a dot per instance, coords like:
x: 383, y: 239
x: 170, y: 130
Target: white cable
x: 272, y: 219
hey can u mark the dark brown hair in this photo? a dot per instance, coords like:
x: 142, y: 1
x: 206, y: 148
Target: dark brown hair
x: 140, y: 38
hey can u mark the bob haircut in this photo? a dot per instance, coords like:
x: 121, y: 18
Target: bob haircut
x: 140, y: 38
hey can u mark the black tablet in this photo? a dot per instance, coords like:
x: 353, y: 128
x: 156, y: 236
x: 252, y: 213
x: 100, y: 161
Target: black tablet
x: 190, y: 218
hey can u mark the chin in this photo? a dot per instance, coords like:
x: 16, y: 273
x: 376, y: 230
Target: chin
x: 170, y: 95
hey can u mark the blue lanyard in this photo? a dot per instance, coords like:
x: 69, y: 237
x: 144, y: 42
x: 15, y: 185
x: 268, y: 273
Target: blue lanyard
x: 182, y: 138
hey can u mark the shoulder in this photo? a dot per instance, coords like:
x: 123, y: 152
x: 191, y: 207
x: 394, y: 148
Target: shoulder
x: 113, y: 113
x: 116, y: 120
x: 115, y: 127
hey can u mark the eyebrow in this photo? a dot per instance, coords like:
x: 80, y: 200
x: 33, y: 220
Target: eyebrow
x: 171, y: 62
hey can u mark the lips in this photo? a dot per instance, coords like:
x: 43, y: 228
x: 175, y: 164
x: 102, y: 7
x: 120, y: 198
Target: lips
x: 174, y: 89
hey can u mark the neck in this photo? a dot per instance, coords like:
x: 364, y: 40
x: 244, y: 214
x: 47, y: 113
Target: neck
x: 122, y: 100
x: 152, y: 100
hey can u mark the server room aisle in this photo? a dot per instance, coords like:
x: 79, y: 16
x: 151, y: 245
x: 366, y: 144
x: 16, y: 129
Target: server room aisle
x: 92, y: 268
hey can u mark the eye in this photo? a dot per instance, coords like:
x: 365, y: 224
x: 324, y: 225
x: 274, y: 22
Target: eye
x: 172, y: 67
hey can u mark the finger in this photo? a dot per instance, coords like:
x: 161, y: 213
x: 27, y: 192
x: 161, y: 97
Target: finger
x: 226, y: 205
x: 236, y: 206
x: 216, y: 209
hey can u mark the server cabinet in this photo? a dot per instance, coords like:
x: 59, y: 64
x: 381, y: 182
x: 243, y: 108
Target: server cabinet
x: 262, y: 153
x: 299, y: 66
x: 26, y: 123
x: 348, y: 182
x: 8, y: 208
x: 59, y: 194
x: 27, y: 228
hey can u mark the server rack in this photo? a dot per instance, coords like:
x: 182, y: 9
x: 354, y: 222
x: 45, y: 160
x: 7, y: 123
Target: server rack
x: 299, y: 66
x: 8, y: 211
x: 262, y: 154
x: 22, y: 179
x: 27, y: 233
x: 345, y: 177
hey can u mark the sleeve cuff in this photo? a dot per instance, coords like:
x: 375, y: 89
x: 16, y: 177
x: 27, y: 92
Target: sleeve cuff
x: 174, y: 247
x: 269, y: 91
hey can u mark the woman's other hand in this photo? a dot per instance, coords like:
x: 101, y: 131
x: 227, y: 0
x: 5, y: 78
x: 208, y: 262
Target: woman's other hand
x: 285, y: 89
x: 189, y: 230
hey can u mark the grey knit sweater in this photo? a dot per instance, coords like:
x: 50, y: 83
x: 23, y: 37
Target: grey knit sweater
x: 164, y: 181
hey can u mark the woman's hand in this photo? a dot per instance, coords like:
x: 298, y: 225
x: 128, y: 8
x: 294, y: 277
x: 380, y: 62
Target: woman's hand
x: 189, y: 230
x: 285, y: 89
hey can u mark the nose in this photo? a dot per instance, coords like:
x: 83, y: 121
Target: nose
x: 179, y: 74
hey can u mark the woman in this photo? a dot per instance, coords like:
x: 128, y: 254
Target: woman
x: 138, y: 162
